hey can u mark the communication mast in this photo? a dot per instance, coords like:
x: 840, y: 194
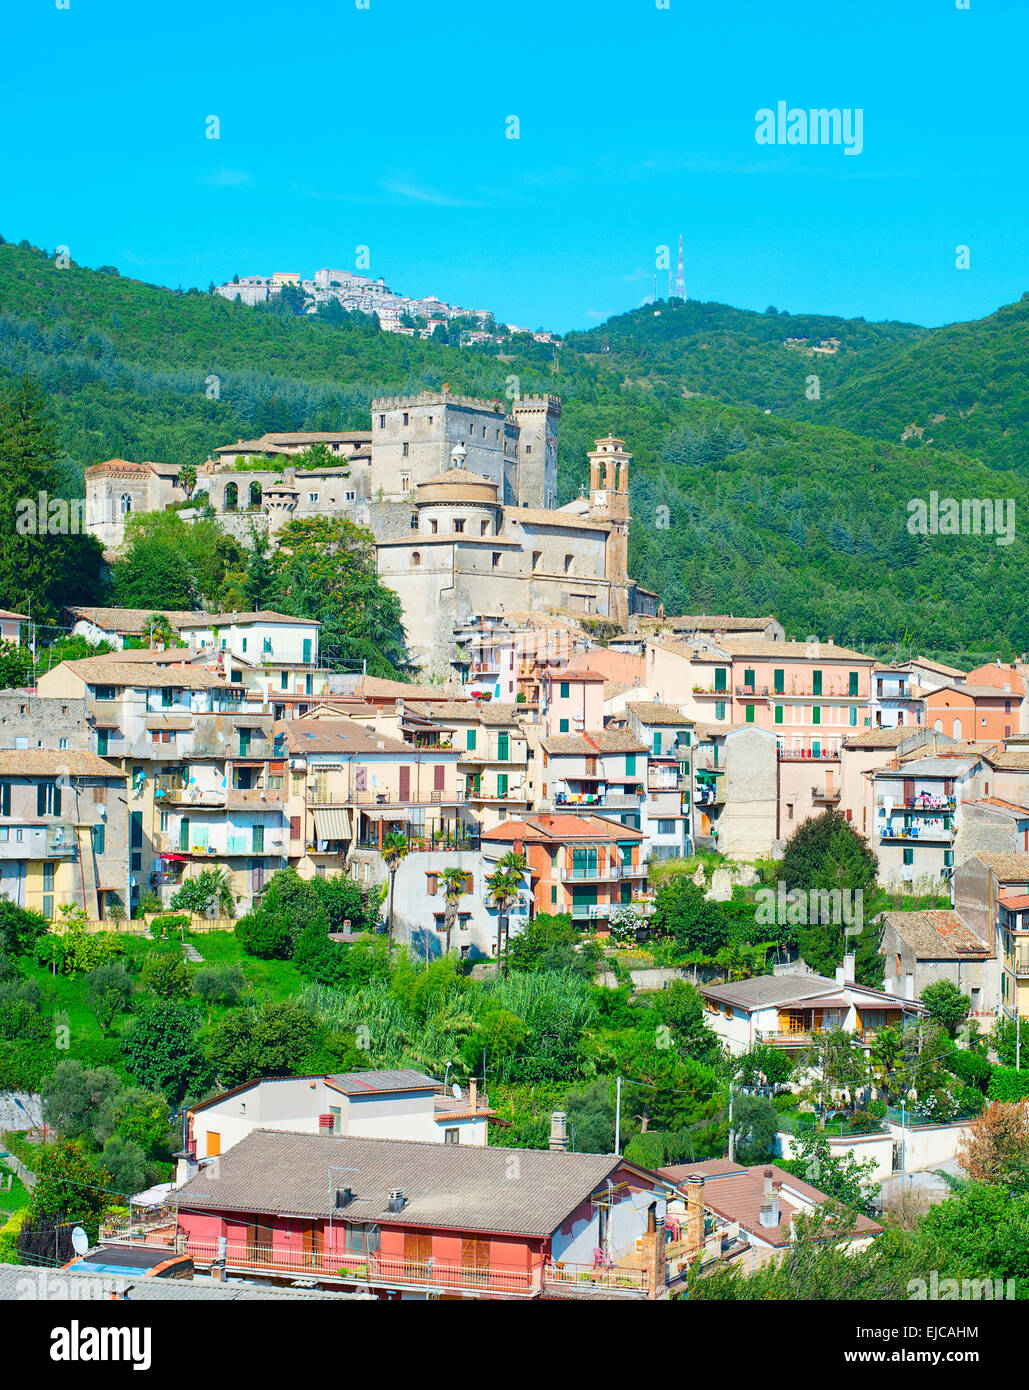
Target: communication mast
x: 680, y: 278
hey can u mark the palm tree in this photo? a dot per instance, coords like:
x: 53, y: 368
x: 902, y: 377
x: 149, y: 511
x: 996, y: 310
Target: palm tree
x: 504, y: 886
x: 453, y: 889
x: 394, y: 850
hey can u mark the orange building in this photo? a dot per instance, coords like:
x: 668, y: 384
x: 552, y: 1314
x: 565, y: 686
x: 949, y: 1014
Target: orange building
x: 981, y: 713
x: 584, y: 865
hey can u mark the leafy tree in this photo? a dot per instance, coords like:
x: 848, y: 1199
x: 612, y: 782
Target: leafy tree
x: 259, y: 574
x: 127, y: 1164
x: 168, y: 975
x: 996, y: 1147
x: 836, y: 1061
x: 826, y: 852
x: 74, y: 1094
x: 841, y: 1175
x: 219, y: 984
x: 20, y: 928
x: 142, y: 1116
x: 947, y: 1005
x: 15, y: 665
x: 763, y: 1064
x: 682, y: 911
x: 162, y: 1050
x: 206, y: 892
x: 270, y: 1039
x: 72, y: 1187
x: 756, y: 1122
x: 267, y: 935
x: 344, y: 900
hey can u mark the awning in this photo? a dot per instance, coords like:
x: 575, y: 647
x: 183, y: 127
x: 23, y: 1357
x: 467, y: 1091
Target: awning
x: 385, y: 813
x: 169, y: 721
x: 332, y: 824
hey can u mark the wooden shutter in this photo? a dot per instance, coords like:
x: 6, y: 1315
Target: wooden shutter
x: 405, y: 783
x: 439, y: 775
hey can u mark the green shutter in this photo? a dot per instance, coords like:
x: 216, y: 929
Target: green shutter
x: 719, y: 709
x: 501, y: 784
x: 657, y: 743
x: 853, y: 716
x: 779, y: 681
x: 853, y: 682
x: 749, y: 713
x: 184, y: 833
x: 136, y: 830
x: 720, y: 678
x: 564, y: 690
x: 562, y: 726
x: 470, y: 740
x: 816, y: 678
x: 778, y: 714
x: 307, y: 649
x: 630, y: 764
x: 503, y: 747
x: 816, y: 714
x: 748, y: 679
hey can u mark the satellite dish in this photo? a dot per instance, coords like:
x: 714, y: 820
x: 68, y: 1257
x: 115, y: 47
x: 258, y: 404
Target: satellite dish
x: 455, y: 1091
x: 79, y: 1241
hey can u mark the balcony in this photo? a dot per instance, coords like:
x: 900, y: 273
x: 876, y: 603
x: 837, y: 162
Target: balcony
x: 602, y: 873
x: 932, y: 805
x: 53, y: 840
x: 826, y: 794
x: 605, y: 1281
x: 927, y: 833
x: 374, y: 1268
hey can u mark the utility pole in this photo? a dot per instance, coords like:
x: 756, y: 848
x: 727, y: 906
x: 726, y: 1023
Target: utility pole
x: 618, y: 1116
x: 732, y: 1132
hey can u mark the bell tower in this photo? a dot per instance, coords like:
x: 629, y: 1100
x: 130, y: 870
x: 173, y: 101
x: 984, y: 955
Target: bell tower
x: 609, y: 506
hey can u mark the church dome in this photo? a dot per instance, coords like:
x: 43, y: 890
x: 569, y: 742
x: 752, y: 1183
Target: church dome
x: 458, y: 485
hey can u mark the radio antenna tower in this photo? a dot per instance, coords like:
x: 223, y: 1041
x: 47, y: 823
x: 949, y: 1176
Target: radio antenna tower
x: 680, y: 279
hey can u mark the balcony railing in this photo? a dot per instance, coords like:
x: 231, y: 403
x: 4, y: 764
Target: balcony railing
x: 374, y: 1268
x: 601, y: 873
x: 604, y: 1280
x: 825, y: 793
x: 937, y: 805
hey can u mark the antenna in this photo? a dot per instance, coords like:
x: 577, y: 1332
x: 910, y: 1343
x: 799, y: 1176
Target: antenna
x: 680, y: 279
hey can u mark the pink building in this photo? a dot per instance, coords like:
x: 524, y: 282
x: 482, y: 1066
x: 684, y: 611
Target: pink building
x: 573, y: 701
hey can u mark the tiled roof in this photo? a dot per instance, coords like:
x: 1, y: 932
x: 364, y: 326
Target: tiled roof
x: 131, y: 621
x: 537, y: 517
x: 263, y: 615
x: 486, y: 712
x: 881, y: 738
x: 974, y: 692
x: 446, y: 1186
x: 359, y: 1083
x: 553, y: 829
x: 41, y: 762
x: 938, y: 935
x: 718, y: 622
x: 1009, y: 761
x: 594, y: 741
x: 649, y: 713
x: 995, y: 803
x: 98, y: 671
x: 738, y: 1194
x: 1008, y: 868
x: 341, y: 736
x: 763, y: 991
x: 378, y: 688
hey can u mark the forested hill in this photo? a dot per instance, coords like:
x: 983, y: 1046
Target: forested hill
x: 764, y: 513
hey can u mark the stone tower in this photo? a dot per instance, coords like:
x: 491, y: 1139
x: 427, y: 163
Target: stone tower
x: 280, y: 502
x: 537, y: 418
x: 609, y: 505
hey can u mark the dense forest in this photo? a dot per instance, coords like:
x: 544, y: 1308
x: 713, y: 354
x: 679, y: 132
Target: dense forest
x: 736, y: 507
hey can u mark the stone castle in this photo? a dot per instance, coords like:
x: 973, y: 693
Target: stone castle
x: 460, y: 496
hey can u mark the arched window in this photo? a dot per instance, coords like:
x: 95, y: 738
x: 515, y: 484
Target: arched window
x: 231, y: 501
x: 938, y: 726
x: 125, y: 504
x: 256, y: 495
x: 956, y: 728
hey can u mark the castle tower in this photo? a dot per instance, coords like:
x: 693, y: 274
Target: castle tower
x: 280, y: 502
x: 609, y: 505
x: 536, y: 482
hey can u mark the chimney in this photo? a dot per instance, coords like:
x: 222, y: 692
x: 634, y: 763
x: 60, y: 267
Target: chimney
x: 695, y: 1211
x: 558, y: 1131
x: 768, y: 1214
x: 654, y: 1256
x: 849, y: 961
x: 218, y: 1271
x: 473, y: 1094
x: 840, y: 975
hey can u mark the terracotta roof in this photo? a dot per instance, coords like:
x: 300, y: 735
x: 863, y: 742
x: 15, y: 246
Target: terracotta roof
x: 130, y: 621
x: 995, y: 803
x: 738, y: 1194
x: 446, y: 1186
x: 1009, y: 761
x: 937, y: 666
x: 824, y: 651
x: 342, y: 736
x: 1015, y: 903
x: 938, y: 935
x: 974, y: 692
x: 264, y: 615
x: 7, y: 614
x: 882, y: 738
x: 484, y: 712
x: 594, y: 741
x: 553, y: 829
x: 41, y: 762
x: 99, y: 671
x: 536, y: 516
x: 377, y: 688
x: 717, y: 622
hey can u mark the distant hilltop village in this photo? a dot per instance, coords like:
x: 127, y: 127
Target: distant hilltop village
x: 460, y: 496
x: 396, y: 313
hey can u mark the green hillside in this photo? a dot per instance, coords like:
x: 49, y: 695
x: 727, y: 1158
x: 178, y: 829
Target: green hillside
x: 764, y: 513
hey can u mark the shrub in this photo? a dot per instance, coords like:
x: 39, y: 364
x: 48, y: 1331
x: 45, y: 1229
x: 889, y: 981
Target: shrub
x: 217, y: 984
x: 171, y: 924
x: 1007, y: 1084
x: 970, y: 1067
x: 267, y: 935
x: 9, y: 1232
x: 168, y: 975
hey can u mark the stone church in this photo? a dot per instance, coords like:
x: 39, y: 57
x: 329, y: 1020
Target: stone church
x: 459, y: 495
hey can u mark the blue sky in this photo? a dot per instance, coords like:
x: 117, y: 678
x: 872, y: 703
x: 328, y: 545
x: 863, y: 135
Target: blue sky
x: 385, y: 127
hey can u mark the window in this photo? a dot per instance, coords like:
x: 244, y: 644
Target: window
x: 407, y: 420
x: 909, y: 855
x: 362, y: 1238
x: 452, y: 1136
x: 48, y: 799
x: 816, y: 714
x: 405, y: 482
x: 283, y: 680
x: 433, y: 526
x: 414, y: 522
x: 382, y: 422
x: 853, y: 683
x: 312, y: 497
x: 502, y: 784
x: 720, y: 675
x: 778, y: 682
x: 484, y: 530
x: 459, y: 525
x: 853, y: 716
x: 777, y: 714
x: 136, y: 830
x: 630, y: 764
x: 553, y: 893
x: 48, y: 878
x: 666, y: 827
x: 537, y: 556
x: 816, y: 682
x: 657, y: 743
x: 496, y: 559
x: 98, y: 839
x: 719, y: 709
x: 470, y: 740
x: 406, y: 449
x: 503, y: 747
x: 104, y: 692
x: 5, y: 798
x: 948, y: 858
x: 748, y: 713
x: 257, y: 846
x: 62, y: 743
x: 349, y: 496
x: 568, y: 563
